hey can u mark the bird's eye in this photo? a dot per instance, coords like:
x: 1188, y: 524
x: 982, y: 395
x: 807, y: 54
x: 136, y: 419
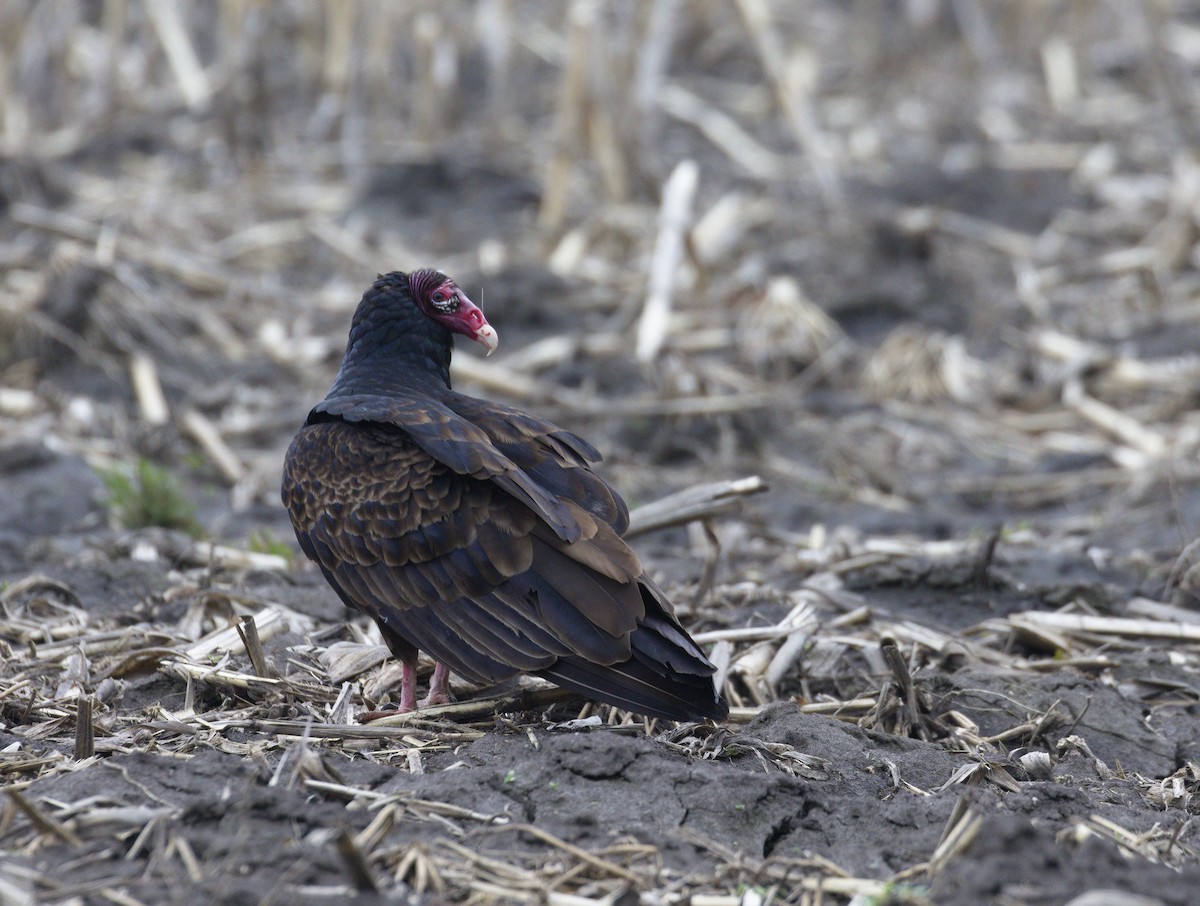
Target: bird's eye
x: 443, y: 301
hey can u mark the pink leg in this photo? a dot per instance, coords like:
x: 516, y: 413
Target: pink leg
x: 439, y: 688
x: 408, y: 687
x: 439, y: 691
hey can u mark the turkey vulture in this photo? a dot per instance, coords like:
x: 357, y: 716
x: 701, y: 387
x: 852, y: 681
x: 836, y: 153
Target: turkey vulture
x: 474, y: 531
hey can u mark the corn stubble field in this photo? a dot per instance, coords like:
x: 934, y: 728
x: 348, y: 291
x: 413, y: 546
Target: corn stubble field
x: 902, y: 299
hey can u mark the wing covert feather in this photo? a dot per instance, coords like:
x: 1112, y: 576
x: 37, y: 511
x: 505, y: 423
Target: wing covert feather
x: 486, y: 577
x: 451, y: 440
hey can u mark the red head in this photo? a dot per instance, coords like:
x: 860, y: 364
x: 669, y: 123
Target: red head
x: 440, y: 298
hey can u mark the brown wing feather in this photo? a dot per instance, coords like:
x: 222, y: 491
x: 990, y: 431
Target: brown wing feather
x: 557, y: 459
x: 452, y: 441
x: 453, y: 564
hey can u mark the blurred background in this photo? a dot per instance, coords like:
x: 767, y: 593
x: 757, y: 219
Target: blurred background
x: 929, y: 268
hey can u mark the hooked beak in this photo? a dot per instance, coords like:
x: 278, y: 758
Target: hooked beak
x: 487, y: 336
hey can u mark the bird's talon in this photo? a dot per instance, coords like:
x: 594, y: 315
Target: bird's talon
x: 366, y: 717
x: 433, y: 699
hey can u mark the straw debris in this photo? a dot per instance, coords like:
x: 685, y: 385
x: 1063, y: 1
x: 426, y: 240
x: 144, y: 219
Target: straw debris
x: 884, y: 316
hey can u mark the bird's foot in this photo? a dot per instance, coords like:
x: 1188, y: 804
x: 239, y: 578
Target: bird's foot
x: 434, y: 698
x: 439, y: 693
x: 365, y: 717
x: 439, y: 687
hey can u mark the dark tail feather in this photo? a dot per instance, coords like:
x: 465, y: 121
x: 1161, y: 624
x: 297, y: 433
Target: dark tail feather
x: 632, y: 686
x: 644, y: 683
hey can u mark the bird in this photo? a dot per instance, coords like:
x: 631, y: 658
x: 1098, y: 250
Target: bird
x: 474, y: 531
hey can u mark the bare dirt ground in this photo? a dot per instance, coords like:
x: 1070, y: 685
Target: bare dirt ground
x: 927, y: 270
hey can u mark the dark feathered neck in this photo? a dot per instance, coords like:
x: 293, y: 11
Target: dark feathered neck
x: 394, y: 347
